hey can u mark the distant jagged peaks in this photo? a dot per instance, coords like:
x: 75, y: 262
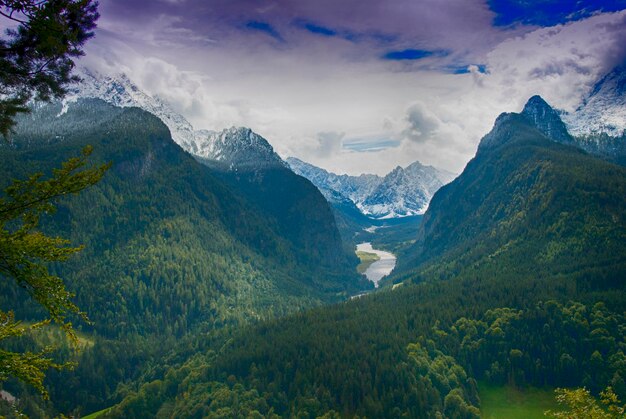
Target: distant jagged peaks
x: 405, y: 191
x: 402, y: 192
x: 354, y: 188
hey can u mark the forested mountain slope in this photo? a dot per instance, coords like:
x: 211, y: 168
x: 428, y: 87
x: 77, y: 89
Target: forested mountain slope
x: 248, y: 164
x: 517, y: 277
x: 526, y: 205
x: 169, y: 247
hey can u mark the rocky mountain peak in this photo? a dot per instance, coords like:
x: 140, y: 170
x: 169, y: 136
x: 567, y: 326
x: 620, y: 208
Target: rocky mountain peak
x: 546, y: 119
x: 238, y: 148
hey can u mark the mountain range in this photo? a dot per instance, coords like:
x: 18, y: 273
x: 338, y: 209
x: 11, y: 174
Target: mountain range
x: 159, y: 203
x: 402, y: 192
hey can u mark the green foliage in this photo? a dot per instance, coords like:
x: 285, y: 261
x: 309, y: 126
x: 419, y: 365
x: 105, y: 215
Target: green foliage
x: 582, y: 405
x: 549, y: 344
x: 183, y: 393
x: 352, y: 357
x: 447, y: 381
x: 25, y: 250
x: 36, y: 56
x: 25, y: 253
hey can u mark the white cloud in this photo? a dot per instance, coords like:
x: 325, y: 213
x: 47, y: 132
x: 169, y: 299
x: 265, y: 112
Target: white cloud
x: 307, y: 100
x: 560, y: 63
x: 329, y: 143
x: 422, y: 123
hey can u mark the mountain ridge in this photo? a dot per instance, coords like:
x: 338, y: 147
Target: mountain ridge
x: 402, y: 192
x: 521, y: 183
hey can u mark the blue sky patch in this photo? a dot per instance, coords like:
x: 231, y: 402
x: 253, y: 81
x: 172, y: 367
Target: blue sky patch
x: 549, y: 12
x: 411, y: 54
x: 348, y: 35
x: 316, y: 29
x: 265, y: 27
x: 372, y: 144
x: 464, y: 69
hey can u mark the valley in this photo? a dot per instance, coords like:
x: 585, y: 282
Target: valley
x: 428, y: 248
x: 312, y: 212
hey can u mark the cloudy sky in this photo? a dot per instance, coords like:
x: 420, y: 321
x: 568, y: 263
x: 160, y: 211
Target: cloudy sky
x: 360, y: 85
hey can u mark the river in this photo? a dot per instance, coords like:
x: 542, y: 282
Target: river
x: 381, y: 268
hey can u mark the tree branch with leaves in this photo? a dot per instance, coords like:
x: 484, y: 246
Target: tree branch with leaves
x: 25, y: 253
x: 37, y: 56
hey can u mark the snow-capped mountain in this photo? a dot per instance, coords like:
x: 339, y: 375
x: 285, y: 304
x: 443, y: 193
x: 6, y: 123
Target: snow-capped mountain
x: 120, y: 91
x: 235, y: 148
x: 604, y: 108
x: 238, y: 149
x: 549, y: 122
x: 405, y: 191
x: 354, y: 188
x: 402, y: 192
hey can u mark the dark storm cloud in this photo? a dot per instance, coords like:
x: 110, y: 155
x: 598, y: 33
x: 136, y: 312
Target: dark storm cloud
x: 422, y: 123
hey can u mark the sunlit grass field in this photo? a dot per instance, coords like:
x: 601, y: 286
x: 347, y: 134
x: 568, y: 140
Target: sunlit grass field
x: 507, y: 402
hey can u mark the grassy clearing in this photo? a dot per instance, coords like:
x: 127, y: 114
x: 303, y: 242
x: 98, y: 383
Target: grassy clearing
x: 506, y: 402
x: 96, y: 414
x: 366, y: 260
